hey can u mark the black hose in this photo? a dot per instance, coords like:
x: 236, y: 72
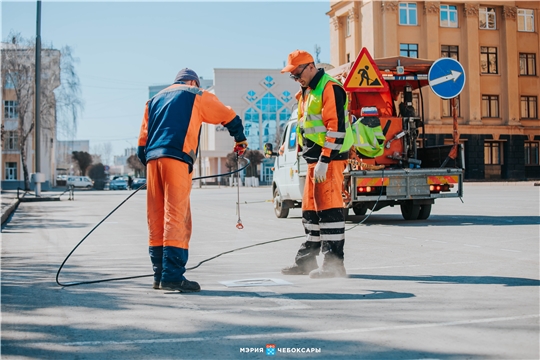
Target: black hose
x: 109, y: 214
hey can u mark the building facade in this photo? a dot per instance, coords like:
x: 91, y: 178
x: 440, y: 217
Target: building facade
x: 12, y: 116
x: 498, y: 44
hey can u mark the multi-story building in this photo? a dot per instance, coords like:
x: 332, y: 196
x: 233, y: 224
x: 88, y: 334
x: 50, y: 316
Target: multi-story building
x: 12, y: 169
x: 498, y: 44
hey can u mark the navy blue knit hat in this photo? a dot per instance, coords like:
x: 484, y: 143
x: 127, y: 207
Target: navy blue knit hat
x: 187, y: 74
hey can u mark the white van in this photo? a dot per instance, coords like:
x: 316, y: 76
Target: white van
x: 80, y: 181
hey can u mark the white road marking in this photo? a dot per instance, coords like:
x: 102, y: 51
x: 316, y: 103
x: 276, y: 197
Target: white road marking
x: 472, y: 245
x: 301, y: 334
x: 510, y: 250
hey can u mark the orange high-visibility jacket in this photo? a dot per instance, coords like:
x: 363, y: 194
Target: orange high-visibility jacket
x: 172, y: 122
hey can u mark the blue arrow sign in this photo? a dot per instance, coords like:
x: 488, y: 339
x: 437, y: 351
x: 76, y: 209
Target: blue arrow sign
x: 446, y: 78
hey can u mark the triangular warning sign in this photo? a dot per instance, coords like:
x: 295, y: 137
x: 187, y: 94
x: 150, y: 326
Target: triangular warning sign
x: 365, y: 75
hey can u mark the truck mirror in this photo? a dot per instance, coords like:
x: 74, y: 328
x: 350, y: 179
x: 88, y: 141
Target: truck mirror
x: 269, y: 150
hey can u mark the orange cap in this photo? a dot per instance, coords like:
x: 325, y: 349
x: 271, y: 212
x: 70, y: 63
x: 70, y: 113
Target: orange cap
x: 297, y: 58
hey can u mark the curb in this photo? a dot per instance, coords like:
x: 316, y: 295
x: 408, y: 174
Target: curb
x: 10, y: 209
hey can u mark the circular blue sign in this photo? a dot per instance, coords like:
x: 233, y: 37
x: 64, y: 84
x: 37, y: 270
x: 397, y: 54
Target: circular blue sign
x: 446, y: 78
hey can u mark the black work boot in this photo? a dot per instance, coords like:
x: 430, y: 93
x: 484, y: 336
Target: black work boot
x: 305, y: 259
x: 333, y: 261
x: 184, y: 286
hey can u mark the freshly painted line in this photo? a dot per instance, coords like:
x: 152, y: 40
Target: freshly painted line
x: 302, y: 334
x: 510, y: 250
x: 472, y: 245
x: 437, y: 241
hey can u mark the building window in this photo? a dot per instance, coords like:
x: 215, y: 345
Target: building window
x: 488, y: 60
x: 407, y: 14
x: 490, y: 106
x: 409, y: 50
x: 11, y: 109
x: 525, y: 20
x: 450, y: 51
x: 529, y: 107
x: 11, y: 142
x: 448, y: 16
x: 527, y: 64
x: 531, y: 153
x: 493, y: 153
x: 10, y: 80
x: 447, y: 107
x: 11, y: 171
x: 487, y: 18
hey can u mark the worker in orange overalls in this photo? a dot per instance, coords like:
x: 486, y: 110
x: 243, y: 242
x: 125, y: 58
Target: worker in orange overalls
x: 325, y: 137
x: 168, y: 145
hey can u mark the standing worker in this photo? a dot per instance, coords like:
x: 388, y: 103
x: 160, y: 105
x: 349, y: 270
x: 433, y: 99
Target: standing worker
x: 168, y: 145
x: 325, y: 136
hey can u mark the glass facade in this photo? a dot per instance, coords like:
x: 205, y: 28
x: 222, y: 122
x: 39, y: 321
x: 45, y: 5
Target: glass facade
x: 265, y: 118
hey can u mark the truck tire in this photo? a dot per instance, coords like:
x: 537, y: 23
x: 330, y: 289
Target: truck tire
x: 425, y: 210
x: 281, y: 211
x: 409, y: 210
x: 359, y: 210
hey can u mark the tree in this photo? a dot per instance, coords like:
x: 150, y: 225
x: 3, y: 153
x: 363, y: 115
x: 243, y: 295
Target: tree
x: 96, y: 172
x: 231, y: 162
x: 255, y: 157
x: 103, y: 151
x: 136, y: 165
x: 83, y: 159
x: 18, y: 70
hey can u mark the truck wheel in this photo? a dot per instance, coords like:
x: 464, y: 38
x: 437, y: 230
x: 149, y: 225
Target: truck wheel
x: 281, y: 211
x: 409, y: 211
x: 425, y: 210
x: 359, y: 210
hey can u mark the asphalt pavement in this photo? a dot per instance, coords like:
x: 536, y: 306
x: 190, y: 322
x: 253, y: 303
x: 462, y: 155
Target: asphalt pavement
x: 463, y: 284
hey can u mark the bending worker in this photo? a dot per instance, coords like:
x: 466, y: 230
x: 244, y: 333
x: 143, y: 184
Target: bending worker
x: 325, y: 136
x: 168, y: 145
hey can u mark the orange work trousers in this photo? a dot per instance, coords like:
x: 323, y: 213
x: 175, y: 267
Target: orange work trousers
x: 325, y: 195
x: 168, y: 205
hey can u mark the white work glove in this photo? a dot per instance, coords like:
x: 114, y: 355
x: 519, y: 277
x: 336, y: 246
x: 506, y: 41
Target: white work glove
x: 319, y: 174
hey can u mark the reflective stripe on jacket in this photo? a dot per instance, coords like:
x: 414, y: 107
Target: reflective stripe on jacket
x: 312, y: 125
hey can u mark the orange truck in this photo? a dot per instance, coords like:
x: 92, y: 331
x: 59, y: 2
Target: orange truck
x: 401, y: 169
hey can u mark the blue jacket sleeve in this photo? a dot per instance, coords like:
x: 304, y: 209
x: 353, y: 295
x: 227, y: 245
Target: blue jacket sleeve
x: 236, y: 129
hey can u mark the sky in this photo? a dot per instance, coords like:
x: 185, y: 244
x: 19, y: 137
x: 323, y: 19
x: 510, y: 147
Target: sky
x: 124, y: 47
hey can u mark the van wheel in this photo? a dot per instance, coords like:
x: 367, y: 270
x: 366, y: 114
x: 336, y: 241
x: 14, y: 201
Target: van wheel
x: 280, y: 210
x: 409, y: 211
x: 425, y: 211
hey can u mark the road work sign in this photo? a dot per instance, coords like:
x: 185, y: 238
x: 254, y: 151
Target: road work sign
x: 365, y: 75
x: 446, y: 78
